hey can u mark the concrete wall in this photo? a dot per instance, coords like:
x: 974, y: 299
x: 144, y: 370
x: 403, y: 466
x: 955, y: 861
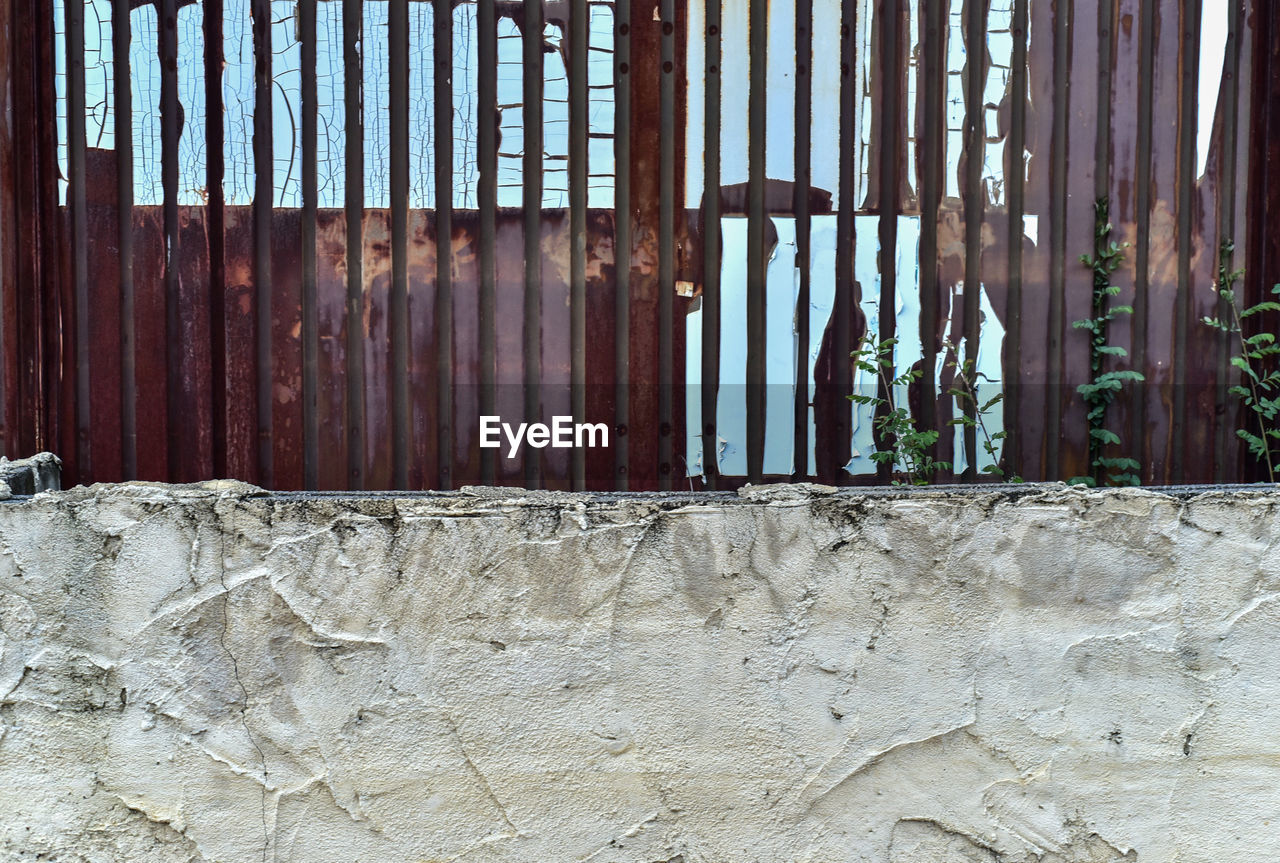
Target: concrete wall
x: 202, y: 673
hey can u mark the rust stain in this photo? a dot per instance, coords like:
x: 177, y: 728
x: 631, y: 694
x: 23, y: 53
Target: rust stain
x: 1127, y: 178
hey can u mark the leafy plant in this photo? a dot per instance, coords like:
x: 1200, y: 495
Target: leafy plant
x: 908, y: 453
x: 1101, y: 390
x: 965, y: 391
x: 1261, y: 389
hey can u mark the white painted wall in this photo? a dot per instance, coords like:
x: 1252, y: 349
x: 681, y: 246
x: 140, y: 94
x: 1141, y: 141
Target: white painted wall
x: 192, y: 674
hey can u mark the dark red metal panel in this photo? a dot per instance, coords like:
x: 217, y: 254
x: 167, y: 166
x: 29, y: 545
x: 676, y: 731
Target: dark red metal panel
x: 150, y: 355
x: 377, y: 349
x: 1082, y: 132
x: 1033, y: 363
x: 241, y: 380
x: 1122, y: 190
x: 601, y: 395
x: 556, y: 341
x: 646, y: 72
x: 1106, y: 114
x: 104, y: 324
x: 424, y: 461
x: 509, y: 346
x: 10, y: 341
x: 464, y: 454
x: 286, y: 349
x: 331, y: 387
x: 1264, y: 172
x: 1162, y: 237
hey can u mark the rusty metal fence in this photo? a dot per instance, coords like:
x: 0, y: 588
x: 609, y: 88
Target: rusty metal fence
x: 310, y: 243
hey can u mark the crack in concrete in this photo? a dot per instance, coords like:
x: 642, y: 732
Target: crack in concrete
x: 479, y: 774
x: 235, y: 671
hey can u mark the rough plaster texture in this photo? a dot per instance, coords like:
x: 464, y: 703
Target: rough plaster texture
x: 206, y: 673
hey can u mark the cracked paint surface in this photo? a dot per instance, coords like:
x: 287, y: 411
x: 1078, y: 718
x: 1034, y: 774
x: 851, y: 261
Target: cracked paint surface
x: 207, y: 673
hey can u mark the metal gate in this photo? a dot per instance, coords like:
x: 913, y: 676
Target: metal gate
x: 309, y: 243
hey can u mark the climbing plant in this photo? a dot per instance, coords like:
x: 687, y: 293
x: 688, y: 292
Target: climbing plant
x: 965, y: 391
x: 1260, y: 387
x: 908, y: 452
x: 1103, y: 386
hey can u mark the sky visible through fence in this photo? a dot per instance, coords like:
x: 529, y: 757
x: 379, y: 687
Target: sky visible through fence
x: 871, y: 263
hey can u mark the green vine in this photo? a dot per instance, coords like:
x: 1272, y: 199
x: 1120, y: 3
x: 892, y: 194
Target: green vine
x: 1101, y: 391
x: 1260, y: 391
x: 908, y: 447
x: 965, y: 392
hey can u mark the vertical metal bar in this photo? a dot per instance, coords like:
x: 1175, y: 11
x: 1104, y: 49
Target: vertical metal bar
x: 1264, y: 198
x: 398, y: 303
x: 578, y: 225
x: 1102, y: 152
x: 264, y: 183
x: 76, y: 199
x: 1142, y: 252
x: 310, y: 201
x: 800, y: 207
x: 1057, y: 232
x: 487, y: 189
x: 169, y: 133
x: 622, y: 241
x: 666, y: 246
x: 123, y: 85
x: 353, y: 95
x: 532, y: 112
x: 215, y: 219
x: 10, y: 344
x: 443, y: 48
x: 890, y: 191
x: 975, y: 26
x: 711, y: 249
x: 1189, y: 62
x: 756, y: 251
x: 1226, y: 232
x: 842, y: 304
x: 1015, y: 179
x: 34, y: 188
x: 932, y: 117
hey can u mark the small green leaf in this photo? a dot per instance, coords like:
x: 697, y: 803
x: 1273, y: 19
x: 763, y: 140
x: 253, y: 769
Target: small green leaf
x: 1267, y: 306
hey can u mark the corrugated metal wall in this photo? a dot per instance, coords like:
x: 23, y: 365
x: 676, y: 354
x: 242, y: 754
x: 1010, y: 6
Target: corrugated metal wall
x: 338, y: 344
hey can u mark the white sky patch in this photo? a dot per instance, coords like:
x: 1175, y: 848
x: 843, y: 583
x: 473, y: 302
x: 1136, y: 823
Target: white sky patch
x: 1213, y: 51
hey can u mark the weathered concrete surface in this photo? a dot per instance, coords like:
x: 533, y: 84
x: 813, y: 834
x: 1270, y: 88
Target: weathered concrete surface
x: 40, y: 472
x: 198, y: 673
